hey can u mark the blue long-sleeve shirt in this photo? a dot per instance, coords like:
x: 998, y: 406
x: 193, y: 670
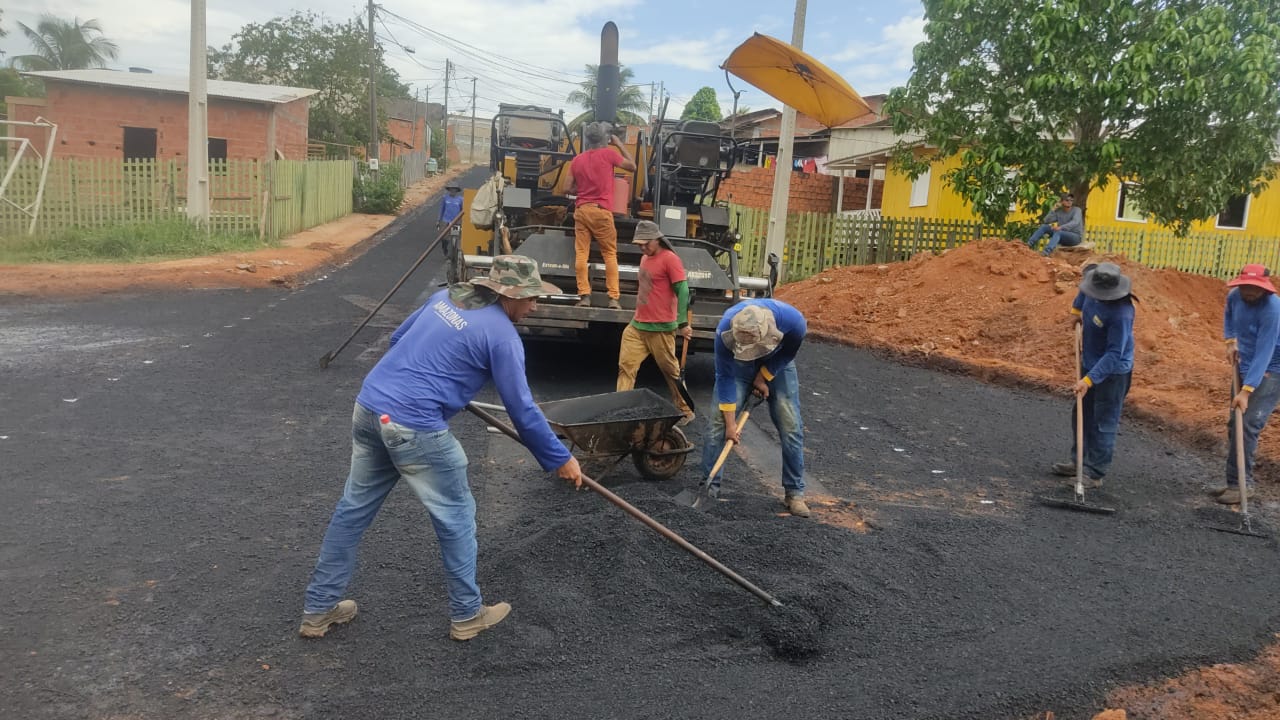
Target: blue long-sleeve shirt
x: 450, y: 208
x: 793, y: 327
x: 440, y: 358
x: 1107, y: 337
x: 1256, y: 330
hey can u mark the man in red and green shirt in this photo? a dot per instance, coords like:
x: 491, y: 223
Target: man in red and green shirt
x: 662, y: 312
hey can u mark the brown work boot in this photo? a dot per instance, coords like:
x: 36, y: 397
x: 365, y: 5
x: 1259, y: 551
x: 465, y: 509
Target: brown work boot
x: 1215, y: 492
x: 488, y: 616
x: 796, y: 506
x: 1231, y: 496
x: 583, y: 301
x: 614, y: 304
x: 1066, y: 469
x: 315, y: 625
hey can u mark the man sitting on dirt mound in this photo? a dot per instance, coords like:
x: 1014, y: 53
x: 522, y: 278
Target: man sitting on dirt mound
x: 1251, y: 325
x: 755, y: 348
x: 440, y: 357
x: 1105, y: 307
x: 1064, y: 225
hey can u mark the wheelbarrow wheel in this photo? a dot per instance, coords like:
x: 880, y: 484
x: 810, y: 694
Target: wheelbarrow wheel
x: 654, y: 465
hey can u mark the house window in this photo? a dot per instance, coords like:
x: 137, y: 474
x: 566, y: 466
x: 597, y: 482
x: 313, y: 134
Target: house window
x: 217, y: 149
x: 1236, y: 215
x: 139, y: 143
x: 1127, y: 208
x: 920, y: 189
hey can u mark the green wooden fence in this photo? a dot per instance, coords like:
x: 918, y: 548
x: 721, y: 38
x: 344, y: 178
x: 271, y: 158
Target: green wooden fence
x: 96, y: 192
x: 816, y: 241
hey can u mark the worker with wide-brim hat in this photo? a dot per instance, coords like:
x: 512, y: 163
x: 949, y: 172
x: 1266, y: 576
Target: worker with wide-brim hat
x: 1104, y: 309
x: 462, y: 339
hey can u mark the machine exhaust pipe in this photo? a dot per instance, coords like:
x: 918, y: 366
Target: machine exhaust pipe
x: 607, y: 82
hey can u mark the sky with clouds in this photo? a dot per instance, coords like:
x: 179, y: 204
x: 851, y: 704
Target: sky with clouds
x: 531, y: 51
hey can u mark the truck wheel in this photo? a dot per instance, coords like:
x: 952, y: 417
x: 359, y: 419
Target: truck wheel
x: 662, y: 467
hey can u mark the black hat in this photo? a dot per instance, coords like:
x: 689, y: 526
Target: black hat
x: 1104, y: 281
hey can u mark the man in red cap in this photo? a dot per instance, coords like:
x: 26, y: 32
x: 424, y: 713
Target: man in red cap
x: 1251, y: 325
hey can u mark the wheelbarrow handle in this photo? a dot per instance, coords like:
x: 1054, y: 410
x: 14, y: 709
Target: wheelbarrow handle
x: 635, y: 512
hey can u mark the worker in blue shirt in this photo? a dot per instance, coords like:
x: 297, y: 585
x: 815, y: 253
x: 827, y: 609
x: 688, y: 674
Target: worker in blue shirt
x: 755, y: 351
x: 439, y: 359
x: 1251, y: 326
x: 450, y: 206
x: 1104, y: 305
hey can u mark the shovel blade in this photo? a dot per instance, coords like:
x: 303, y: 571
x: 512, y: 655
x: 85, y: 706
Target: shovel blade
x: 698, y: 498
x: 1077, y: 505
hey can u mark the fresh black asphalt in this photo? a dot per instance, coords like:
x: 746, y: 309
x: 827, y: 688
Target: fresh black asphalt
x: 168, y: 461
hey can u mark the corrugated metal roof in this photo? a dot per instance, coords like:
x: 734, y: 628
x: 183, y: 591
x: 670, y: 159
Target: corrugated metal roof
x: 248, y: 92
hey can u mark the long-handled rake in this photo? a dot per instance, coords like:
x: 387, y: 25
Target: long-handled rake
x: 1078, y: 503
x: 1246, y: 520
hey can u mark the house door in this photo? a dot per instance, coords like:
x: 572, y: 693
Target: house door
x: 139, y: 143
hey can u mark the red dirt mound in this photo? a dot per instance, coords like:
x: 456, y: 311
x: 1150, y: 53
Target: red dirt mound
x: 1002, y: 311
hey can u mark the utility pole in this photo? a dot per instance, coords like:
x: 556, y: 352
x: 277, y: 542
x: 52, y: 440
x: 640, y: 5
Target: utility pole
x: 444, y: 121
x: 652, y: 87
x: 373, y: 94
x: 471, y: 154
x: 775, y: 241
x: 198, y: 121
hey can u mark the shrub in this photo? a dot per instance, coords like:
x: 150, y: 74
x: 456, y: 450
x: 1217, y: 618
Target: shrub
x: 380, y: 194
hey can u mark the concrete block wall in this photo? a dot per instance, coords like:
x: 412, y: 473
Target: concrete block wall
x: 810, y: 192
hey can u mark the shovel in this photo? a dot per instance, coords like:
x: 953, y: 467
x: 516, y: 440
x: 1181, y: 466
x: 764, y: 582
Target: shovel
x: 703, y: 496
x: 634, y: 512
x: 1078, y: 503
x: 680, y: 384
x: 1246, y: 520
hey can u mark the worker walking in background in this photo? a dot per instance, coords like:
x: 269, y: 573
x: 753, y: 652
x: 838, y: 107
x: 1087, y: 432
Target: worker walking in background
x: 1104, y: 306
x: 450, y: 206
x: 441, y: 356
x: 662, y: 307
x: 755, y: 347
x: 1251, y: 326
x: 591, y: 178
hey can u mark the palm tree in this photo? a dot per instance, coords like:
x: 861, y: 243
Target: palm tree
x: 632, y: 106
x: 65, y: 45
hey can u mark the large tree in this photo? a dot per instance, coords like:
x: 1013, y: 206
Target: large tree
x: 311, y: 51
x: 632, y: 106
x: 702, y: 106
x: 59, y: 44
x: 1179, y: 96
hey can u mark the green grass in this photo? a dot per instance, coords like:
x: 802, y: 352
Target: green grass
x: 134, y: 242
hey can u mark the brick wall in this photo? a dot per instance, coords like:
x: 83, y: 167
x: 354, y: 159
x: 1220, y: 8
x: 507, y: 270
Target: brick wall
x: 810, y: 192
x: 91, y: 119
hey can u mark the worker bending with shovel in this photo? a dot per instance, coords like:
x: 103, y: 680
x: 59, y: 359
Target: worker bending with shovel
x: 662, y: 312
x: 1251, y: 326
x: 1104, y: 307
x: 755, y: 347
x: 439, y: 359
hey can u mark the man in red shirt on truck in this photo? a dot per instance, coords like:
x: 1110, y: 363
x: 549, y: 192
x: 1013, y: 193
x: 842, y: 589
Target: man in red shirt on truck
x: 662, y: 307
x: 591, y: 178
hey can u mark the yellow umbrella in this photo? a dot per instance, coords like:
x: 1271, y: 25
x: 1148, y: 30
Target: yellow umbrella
x: 797, y: 79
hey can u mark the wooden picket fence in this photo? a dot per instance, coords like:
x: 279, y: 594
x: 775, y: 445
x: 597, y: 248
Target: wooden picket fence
x: 816, y: 241
x: 97, y: 192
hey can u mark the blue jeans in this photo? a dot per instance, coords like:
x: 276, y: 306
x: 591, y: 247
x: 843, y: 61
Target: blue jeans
x: 435, y: 467
x: 1262, y: 402
x: 1056, y: 237
x: 1103, y: 405
x: 784, y: 410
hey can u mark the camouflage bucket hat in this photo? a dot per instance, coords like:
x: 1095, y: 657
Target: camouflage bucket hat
x: 516, y: 276
x: 752, y: 334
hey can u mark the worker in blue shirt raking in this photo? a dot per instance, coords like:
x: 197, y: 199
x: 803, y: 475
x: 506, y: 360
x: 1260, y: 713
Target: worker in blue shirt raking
x: 1251, y: 326
x: 450, y: 206
x: 463, y: 338
x: 755, y: 348
x: 1104, y: 308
